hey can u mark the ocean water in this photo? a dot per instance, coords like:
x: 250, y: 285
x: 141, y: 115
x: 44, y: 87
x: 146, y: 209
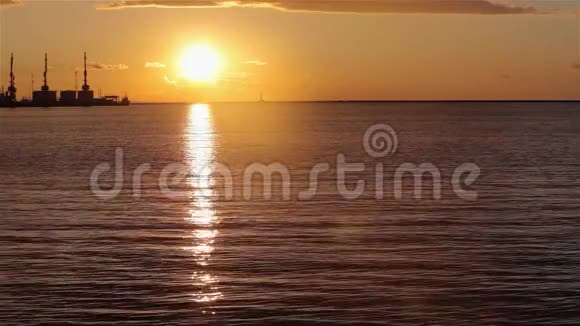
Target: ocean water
x: 191, y: 255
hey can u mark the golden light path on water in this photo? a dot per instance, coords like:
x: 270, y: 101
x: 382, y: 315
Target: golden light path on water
x: 200, y: 154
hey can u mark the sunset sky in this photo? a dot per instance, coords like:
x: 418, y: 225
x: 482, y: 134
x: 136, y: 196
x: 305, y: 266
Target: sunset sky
x: 300, y: 50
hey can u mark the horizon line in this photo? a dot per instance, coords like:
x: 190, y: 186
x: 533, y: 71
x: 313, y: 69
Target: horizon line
x: 364, y: 101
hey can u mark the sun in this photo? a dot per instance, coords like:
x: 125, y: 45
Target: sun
x: 200, y: 63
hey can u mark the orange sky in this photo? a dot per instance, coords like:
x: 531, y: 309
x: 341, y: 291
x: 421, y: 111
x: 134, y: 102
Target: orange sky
x: 523, y: 50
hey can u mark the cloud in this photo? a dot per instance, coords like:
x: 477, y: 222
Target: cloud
x: 101, y: 66
x: 483, y: 7
x: 256, y: 63
x: 169, y: 81
x: 154, y: 65
x: 576, y: 66
x: 505, y: 76
x: 9, y: 3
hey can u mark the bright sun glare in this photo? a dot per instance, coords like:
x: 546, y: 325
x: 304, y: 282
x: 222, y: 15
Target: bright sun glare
x: 200, y: 63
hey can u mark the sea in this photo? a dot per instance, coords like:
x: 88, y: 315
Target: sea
x: 346, y: 213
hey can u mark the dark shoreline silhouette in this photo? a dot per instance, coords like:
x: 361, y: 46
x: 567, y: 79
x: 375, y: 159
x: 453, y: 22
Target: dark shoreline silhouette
x: 334, y: 101
x: 49, y: 98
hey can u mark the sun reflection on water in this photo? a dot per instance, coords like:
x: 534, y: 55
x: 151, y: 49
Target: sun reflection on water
x: 200, y: 146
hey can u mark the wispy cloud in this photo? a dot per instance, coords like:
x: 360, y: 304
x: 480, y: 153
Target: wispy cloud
x: 169, y: 81
x: 505, y: 76
x: 154, y: 65
x: 256, y: 63
x: 9, y: 3
x: 102, y: 66
x: 576, y: 66
x: 482, y: 7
